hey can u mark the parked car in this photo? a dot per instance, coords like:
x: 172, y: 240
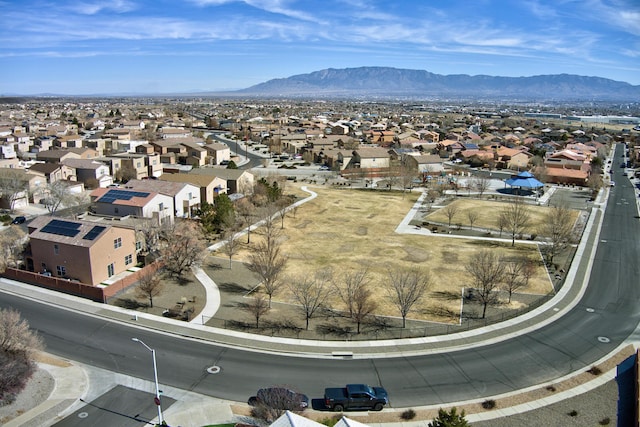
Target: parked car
x: 281, y: 398
x: 19, y: 220
x: 355, y: 396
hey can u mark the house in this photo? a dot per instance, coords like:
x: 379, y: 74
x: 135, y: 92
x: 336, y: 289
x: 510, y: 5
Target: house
x: 58, y: 155
x: 237, y: 180
x: 86, y: 251
x: 567, y: 167
x: 91, y: 173
x: 370, y: 158
x: 172, y: 132
x: 185, y: 196
x: 130, y: 166
x: 426, y: 164
x: 18, y: 185
x: 209, y: 184
x: 512, y: 158
x: 195, y: 154
x: 152, y: 161
x: 120, y: 202
x: 52, y: 172
x: 68, y: 141
x: 217, y: 152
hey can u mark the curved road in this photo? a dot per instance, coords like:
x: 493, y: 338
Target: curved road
x: 606, y: 317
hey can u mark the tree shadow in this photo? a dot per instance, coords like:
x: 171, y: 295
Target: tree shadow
x: 332, y: 329
x: 446, y: 295
x: 183, y: 281
x: 232, y: 288
x: 130, y: 303
x: 214, y: 265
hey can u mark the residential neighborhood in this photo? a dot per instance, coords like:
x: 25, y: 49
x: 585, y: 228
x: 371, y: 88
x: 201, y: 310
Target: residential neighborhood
x: 98, y: 195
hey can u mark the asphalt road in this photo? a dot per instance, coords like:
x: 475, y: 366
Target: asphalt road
x: 607, y: 315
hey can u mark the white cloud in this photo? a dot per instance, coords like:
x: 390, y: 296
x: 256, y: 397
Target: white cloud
x: 93, y: 8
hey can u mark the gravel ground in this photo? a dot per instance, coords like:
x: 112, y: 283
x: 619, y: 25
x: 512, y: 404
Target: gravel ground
x: 591, y: 409
x: 37, y: 391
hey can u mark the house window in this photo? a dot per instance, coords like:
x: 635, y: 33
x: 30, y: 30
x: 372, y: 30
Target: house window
x: 189, y: 196
x: 161, y: 207
x: 61, y: 270
x: 138, y: 245
x: 56, y: 249
x: 128, y: 259
x: 117, y: 243
x: 138, y: 164
x: 110, y: 270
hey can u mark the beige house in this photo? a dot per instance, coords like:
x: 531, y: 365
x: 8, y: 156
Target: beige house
x: 86, y: 251
x: 210, y: 185
x: 370, y: 158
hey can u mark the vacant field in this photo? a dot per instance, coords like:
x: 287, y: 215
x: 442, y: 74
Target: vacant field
x: 488, y: 212
x: 349, y: 230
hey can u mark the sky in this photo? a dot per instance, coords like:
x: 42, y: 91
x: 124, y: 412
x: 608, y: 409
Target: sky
x: 83, y: 47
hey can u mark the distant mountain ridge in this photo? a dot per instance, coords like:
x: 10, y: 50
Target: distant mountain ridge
x: 395, y: 82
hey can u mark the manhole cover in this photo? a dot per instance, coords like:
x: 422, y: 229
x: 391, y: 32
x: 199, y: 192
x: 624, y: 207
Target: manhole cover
x: 604, y: 339
x: 213, y: 369
x: 590, y: 310
x: 83, y: 415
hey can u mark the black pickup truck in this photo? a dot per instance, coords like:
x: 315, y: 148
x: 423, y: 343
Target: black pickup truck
x: 355, y: 396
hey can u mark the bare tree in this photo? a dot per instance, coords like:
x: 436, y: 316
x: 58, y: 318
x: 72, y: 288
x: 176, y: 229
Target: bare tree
x: 273, y: 402
x: 481, y: 184
x: 56, y: 195
x: 407, y: 175
x: 310, y: 293
x: 346, y: 290
x: 516, y: 218
x: 516, y: 274
x: 247, y: 211
x: 14, y: 185
x: 149, y: 285
x: 407, y: 288
x: 185, y: 248
x: 557, y: 228
x: 12, y: 243
x: 231, y: 243
x: 267, y: 259
x: 501, y: 223
x: 472, y: 216
x: 282, y: 205
x: 355, y: 293
x: 451, y: 210
x: 257, y: 307
x: 487, y: 271
x: 18, y: 345
x: 363, y: 304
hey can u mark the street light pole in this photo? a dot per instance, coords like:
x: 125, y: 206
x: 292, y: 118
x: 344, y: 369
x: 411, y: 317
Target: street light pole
x: 155, y: 377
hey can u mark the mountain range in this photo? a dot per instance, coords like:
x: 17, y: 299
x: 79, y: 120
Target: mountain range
x: 387, y: 82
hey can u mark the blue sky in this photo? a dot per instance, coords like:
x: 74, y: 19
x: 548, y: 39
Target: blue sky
x: 161, y: 46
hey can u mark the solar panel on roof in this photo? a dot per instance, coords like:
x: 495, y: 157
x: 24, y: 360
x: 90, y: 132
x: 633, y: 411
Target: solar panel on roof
x: 61, y: 228
x: 113, y: 195
x: 94, y: 232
